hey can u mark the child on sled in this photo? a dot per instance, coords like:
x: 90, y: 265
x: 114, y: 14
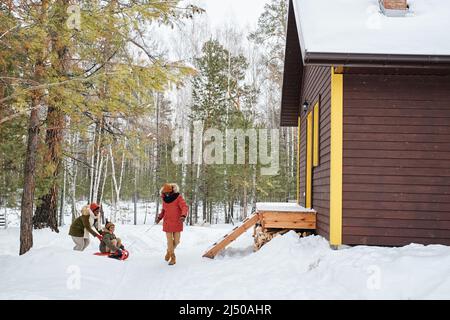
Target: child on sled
x: 110, y: 243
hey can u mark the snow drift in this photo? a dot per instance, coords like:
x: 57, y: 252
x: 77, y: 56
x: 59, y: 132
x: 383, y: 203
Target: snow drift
x: 289, y: 267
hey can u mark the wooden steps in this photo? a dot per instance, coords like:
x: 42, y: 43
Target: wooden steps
x: 233, y: 235
x: 269, y: 222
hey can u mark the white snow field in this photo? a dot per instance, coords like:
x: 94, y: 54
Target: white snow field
x: 286, y: 268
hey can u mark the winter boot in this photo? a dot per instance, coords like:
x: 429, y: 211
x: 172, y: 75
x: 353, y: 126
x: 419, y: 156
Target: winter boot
x: 167, y: 257
x: 173, y: 259
x: 116, y: 255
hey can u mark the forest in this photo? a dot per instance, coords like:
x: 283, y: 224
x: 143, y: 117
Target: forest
x: 92, y: 94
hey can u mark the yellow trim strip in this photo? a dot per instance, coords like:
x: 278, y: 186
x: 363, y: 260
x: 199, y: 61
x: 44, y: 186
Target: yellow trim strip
x: 316, y: 135
x: 336, y: 162
x: 298, y: 158
x: 309, y: 157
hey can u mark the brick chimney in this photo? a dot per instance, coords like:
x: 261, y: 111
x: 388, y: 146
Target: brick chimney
x: 395, y: 4
x: 394, y: 8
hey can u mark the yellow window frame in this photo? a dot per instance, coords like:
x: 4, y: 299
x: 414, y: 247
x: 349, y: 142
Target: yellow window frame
x: 316, y: 111
x: 309, y: 160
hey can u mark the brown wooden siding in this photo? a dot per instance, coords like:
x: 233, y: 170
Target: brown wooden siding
x: 396, y: 159
x: 317, y: 85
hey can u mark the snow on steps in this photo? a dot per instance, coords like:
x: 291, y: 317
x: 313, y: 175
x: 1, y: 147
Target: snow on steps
x: 233, y: 235
x: 281, y: 207
x: 289, y: 216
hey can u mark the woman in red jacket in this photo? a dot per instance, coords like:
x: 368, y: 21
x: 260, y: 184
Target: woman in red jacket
x: 174, y: 212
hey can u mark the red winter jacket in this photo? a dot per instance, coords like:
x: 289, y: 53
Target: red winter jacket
x: 172, y: 212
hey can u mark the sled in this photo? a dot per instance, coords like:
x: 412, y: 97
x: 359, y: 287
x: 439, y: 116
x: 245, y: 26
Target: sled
x: 125, y: 255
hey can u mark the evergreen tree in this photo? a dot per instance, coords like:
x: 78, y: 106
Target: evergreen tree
x: 74, y: 73
x: 221, y: 99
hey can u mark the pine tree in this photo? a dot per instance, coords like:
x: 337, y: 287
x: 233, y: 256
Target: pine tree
x: 220, y: 100
x: 83, y: 74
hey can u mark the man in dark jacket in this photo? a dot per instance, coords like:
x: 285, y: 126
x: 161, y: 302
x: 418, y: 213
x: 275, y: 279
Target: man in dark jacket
x: 83, y: 226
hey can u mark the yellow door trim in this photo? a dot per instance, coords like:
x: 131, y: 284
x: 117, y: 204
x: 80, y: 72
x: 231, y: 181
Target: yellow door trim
x: 336, y: 162
x: 298, y: 158
x: 316, y: 135
x: 309, y: 158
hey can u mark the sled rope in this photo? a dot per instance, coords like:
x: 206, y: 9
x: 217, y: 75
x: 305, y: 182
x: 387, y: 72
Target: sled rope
x: 134, y: 242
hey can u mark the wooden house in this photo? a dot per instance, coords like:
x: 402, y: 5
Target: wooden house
x: 368, y: 84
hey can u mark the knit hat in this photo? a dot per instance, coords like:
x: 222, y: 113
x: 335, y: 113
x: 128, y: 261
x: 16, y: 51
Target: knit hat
x: 167, y: 188
x: 109, y: 225
x: 94, y: 207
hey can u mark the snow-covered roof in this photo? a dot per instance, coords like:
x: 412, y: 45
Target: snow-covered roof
x: 281, y: 207
x: 359, y: 27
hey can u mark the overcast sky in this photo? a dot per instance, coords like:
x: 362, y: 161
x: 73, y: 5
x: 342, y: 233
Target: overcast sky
x: 243, y: 12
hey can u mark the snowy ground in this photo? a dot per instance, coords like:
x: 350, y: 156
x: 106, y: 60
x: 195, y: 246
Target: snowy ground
x: 286, y: 268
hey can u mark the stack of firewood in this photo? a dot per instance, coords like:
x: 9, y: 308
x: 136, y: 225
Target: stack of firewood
x: 304, y: 234
x: 262, y: 236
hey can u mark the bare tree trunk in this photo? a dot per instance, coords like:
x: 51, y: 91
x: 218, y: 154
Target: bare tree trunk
x: 92, y: 169
x: 145, y: 217
x: 135, y: 192
x: 26, y: 218
x: 105, y: 175
x: 190, y: 217
x: 102, y: 191
x: 98, y: 164
x: 210, y: 215
x: 73, y: 175
x: 157, y: 156
x: 199, y: 168
x: 196, y: 197
x: 115, y: 185
x: 232, y: 209
x: 227, y: 219
x: 122, y: 167
x: 111, y: 214
x: 245, y: 213
x: 63, y: 197
x: 98, y: 179
x: 95, y: 163
x: 205, y: 193
x: 46, y: 215
x: 254, y: 195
